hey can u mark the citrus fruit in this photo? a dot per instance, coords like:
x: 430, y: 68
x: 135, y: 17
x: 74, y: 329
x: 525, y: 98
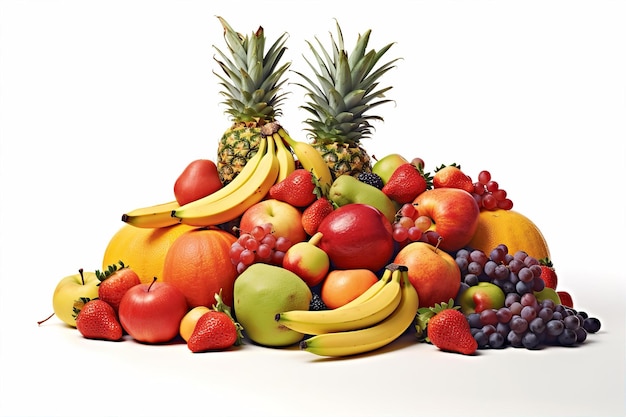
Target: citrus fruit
x: 511, y: 228
x: 142, y: 249
x: 344, y: 285
x: 198, y: 263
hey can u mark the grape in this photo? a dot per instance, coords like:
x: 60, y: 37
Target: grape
x: 484, y: 177
x: 489, y: 202
x: 400, y: 233
x: 530, y: 340
x: 511, y: 298
x: 537, y: 325
x: 525, y: 275
x: 282, y: 244
x: 503, y: 329
x: 481, y: 339
x: 471, y: 280
x: 423, y: 223
x: 528, y: 313
x: 571, y: 322
x: 545, y: 314
x: 475, y: 268
x: 264, y: 251
x: 258, y: 245
x: 555, y: 327
x: 497, y: 255
x: 489, y: 316
x: 538, y: 284
x: 567, y: 338
x: 269, y: 240
x: 488, y: 329
x: 478, y: 256
x: 488, y: 193
x: 257, y: 232
x: 581, y: 335
x: 462, y: 263
x: 405, y: 222
x: 415, y: 234
x: 474, y: 320
x: 523, y: 288
x: 514, y: 339
x: 496, y: 340
x: 490, y: 268
x: 518, y: 324
x: 529, y: 299
x: 515, y: 265
x: 504, y: 315
x: 591, y: 324
x: 516, y: 308
x: 246, y: 257
x: 251, y: 244
x: 501, y: 272
x: 408, y: 210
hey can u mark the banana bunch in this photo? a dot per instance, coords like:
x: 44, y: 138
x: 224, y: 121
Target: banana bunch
x: 272, y: 163
x: 374, y: 319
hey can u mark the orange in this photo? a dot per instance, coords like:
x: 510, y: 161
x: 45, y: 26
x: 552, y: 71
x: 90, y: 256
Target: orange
x: 142, y: 249
x: 344, y: 285
x: 511, y: 228
x: 198, y: 263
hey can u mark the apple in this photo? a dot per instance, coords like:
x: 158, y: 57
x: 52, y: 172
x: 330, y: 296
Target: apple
x: 199, y: 179
x: 433, y: 272
x: 307, y: 260
x: 286, y: 220
x: 73, y: 291
x: 151, y: 313
x: 357, y: 236
x: 454, y: 214
x: 189, y: 321
x: 483, y: 296
x: 548, y: 294
x: 385, y: 166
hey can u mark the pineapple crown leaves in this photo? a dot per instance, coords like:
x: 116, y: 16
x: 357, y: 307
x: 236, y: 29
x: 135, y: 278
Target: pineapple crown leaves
x: 346, y: 89
x: 424, y: 314
x: 253, y: 81
x: 110, y: 270
x: 222, y: 307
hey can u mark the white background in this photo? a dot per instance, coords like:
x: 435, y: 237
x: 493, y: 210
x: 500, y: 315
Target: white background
x: 102, y: 104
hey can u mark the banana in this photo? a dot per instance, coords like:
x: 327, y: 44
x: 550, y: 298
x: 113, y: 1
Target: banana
x: 365, y: 340
x: 159, y: 215
x: 359, y: 316
x: 236, y: 203
x: 285, y: 158
x: 371, y: 291
x: 308, y: 156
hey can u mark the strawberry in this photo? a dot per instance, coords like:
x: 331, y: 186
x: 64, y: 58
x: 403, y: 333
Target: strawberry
x: 114, y: 282
x: 406, y: 183
x: 548, y: 274
x: 447, y: 328
x: 451, y: 176
x: 97, y: 320
x: 313, y: 215
x: 297, y: 189
x: 566, y: 299
x: 215, y: 330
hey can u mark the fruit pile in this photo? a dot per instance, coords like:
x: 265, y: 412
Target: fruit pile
x: 316, y: 244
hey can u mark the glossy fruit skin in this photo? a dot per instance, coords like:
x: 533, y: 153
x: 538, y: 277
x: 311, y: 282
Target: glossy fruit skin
x: 97, y: 320
x: 151, y: 313
x: 511, y: 228
x: 405, y: 184
x: 344, y: 285
x: 566, y: 298
x: 199, y: 179
x: 297, y: 189
x: 143, y: 249
x: 199, y: 265
x: 451, y: 176
x: 189, y: 321
x: 113, y: 287
x: 286, y: 219
x: 548, y: 274
x: 450, y: 331
x: 70, y: 289
x: 213, y: 331
x: 349, y: 245
x: 385, y: 166
x: 313, y: 215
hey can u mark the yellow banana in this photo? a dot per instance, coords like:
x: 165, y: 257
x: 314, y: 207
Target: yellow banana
x: 285, y: 158
x: 308, y: 156
x: 156, y: 216
x: 236, y: 203
x: 365, y: 340
x: 371, y: 291
x: 160, y: 215
x: 359, y: 316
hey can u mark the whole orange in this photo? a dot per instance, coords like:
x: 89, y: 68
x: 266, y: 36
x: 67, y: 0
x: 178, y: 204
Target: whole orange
x: 198, y: 263
x: 142, y: 249
x: 511, y: 228
x: 344, y: 285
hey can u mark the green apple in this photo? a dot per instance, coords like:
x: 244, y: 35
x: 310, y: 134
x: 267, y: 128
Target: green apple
x: 71, y: 292
x: 346, y: 189
x: 548, y: 294
x: 385, y: 166
x: 481, y: 297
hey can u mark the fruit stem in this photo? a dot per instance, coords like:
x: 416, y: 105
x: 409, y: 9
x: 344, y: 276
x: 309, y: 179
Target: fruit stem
x: 315, y: 239
x: 152, y: 283
x: 439, y: 239
x: 82, y: 277
x: 44, y: 320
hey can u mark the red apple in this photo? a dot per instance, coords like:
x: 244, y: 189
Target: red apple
x: 286, y: 220
x: 454, y: 214
x: 151, y: 313
x: 432, y: 271
x: 198, y: 179
x: 357, y: 236
x: 308, y: 261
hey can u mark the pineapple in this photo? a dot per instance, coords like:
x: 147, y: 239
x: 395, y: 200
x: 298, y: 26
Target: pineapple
x: 251, y: 87
x: 345, y: 91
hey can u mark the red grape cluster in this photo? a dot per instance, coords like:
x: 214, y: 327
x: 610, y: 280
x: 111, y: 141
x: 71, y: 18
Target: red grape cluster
x: 258, y: 245
x: 489, y: 195
x: 409, y: 226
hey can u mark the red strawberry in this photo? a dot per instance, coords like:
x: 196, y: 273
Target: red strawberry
x: 114, y: 282
x: 97, y: 320
x: 548, y: 274
x: 566, y: 299
x: 451, y: 176
x: 447, y: 328
x: 298, y: 189
x: 406, y: 183
x: 215, y: 329
x: 313, y: 215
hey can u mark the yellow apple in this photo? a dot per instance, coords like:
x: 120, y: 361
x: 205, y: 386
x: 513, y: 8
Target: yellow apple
x: 71, y: 292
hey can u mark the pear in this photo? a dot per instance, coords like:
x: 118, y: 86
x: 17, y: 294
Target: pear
x: 261, y: 292
x: 347, y: 189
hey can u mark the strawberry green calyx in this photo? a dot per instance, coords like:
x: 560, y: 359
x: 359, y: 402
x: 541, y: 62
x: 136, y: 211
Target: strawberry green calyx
x: 79, y: 304
x: 111, y: 269
x: 547, y: 262
x: 454, y: 164
x: 424, y: 314
x: 222, y: 307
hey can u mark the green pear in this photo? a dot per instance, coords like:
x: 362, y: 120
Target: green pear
x: 261, y: 292
x: 347, y: 189
x: 385, y: 166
